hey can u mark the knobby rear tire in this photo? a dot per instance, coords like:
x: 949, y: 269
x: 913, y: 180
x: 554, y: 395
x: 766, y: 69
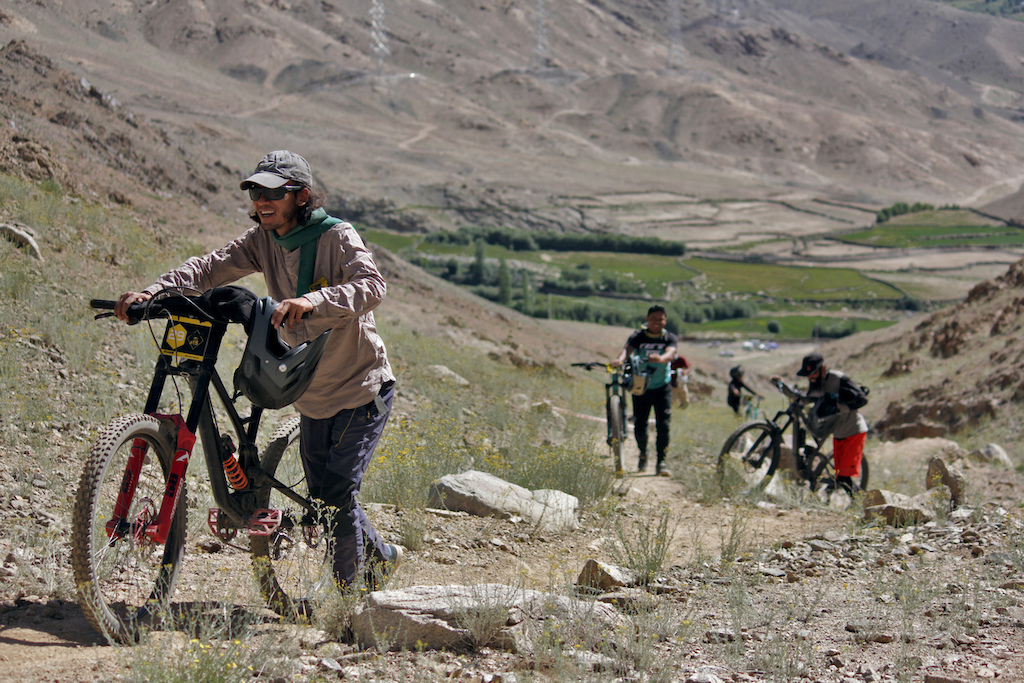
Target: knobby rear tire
x: 286, y: 567
x: 749, y: 458
x: 618, y: 434
x: 122, y: 583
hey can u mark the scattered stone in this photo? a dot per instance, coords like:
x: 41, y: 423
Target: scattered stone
x: 605, y: 576
x: 630, y: 601
x: 329, y: 664
x: 21, y: 235
x: 899, y: 510
x: 443, y: 374
x: 210, y: 545
x: 703, y: 676
x: 719, y: 636
x: 939, y: 474
x: 993, y: 454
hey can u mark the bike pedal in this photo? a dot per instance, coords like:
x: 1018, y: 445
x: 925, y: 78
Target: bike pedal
x: 215, y: 520
x: 264, y: 522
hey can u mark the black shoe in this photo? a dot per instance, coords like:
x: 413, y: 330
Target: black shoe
x: 641, y: 464
x: 847, y: 484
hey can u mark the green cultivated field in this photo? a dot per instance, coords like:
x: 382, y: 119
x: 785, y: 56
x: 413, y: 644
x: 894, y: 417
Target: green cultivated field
x: 803, y: 300
x: 930, y: 229
x: 792, y: 282
x: 791, y: 326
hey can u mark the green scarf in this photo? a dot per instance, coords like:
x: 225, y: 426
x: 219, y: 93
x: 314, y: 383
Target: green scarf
x: 305, y: 236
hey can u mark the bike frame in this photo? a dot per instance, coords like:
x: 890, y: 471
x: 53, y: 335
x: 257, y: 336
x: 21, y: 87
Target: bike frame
x: 615, y: 388
x: 236, y: 509
x: 795, y: 416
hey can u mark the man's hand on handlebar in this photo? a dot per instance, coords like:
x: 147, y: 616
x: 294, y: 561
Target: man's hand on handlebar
x: 126, y: 300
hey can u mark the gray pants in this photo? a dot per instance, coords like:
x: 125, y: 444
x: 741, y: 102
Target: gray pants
x: 335, y: 454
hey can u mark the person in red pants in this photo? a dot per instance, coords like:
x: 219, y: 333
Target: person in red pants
x: 837, y: 401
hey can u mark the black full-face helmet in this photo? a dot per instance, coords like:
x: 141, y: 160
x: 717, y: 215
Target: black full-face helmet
x: 736, y: 371
x: 273, y: 374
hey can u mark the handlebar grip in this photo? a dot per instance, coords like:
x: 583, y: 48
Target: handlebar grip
x: 136, y: 311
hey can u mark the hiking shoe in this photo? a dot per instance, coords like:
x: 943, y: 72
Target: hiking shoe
x: 661, y: 471
x: 641, y: 464
x: 381, y: 570
x: 395, y: 554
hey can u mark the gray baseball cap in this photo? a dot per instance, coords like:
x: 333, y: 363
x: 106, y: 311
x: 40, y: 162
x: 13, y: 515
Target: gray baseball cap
x: 278, y: 168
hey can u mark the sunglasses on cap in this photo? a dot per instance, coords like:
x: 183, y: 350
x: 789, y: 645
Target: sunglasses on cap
x: 271, y: 193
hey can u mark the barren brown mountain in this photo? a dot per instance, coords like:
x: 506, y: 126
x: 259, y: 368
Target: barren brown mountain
x: 533, y: 113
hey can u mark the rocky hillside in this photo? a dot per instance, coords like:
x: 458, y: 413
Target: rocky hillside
x: 958, y: 371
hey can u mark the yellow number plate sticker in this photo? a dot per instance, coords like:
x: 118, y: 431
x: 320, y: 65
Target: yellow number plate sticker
x: 186, y: 338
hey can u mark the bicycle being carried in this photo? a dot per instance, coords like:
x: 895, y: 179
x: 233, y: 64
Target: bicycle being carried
x: 128, y: 536
x: 620, y: 382
x: 752, y: 455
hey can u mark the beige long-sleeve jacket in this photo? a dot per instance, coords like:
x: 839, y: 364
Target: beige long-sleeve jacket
x: 355, y: 363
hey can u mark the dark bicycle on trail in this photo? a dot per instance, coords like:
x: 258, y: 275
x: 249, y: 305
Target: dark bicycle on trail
x: 619, y: 384
x: 128, y: 535
x: 753, y: 454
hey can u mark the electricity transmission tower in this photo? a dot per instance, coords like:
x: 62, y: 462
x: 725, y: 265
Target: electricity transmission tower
x: 379, y: 35
x: 675, y: 36
x: 541, y: 50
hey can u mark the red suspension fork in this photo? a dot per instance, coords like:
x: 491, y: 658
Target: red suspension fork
x: 157, y: 532
x: 128, y: 485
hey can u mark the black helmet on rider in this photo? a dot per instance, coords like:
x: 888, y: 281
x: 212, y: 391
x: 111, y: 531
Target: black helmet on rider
x: 736, y: 372
x: 273, y: 374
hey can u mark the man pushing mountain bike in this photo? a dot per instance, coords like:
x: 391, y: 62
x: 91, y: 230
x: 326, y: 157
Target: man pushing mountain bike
x: 323, y: 277
x: 655, y: 348
x: 837, y: 400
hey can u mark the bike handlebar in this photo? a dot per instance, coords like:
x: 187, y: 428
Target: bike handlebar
x: 173, y: 304
x: 798, y: 396
x: 592, y: 364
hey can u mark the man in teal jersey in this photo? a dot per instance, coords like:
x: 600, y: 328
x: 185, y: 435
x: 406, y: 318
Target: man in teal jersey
x: 655, y: 348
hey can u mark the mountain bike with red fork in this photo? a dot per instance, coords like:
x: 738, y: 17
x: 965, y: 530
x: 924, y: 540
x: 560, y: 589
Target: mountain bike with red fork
x: 128, y: 534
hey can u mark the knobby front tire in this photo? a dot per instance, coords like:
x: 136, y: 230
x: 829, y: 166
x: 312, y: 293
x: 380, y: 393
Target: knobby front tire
x: 123, y: 581
x: 617, y: 430
x: 749, y: 458
x: 287, y: 567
